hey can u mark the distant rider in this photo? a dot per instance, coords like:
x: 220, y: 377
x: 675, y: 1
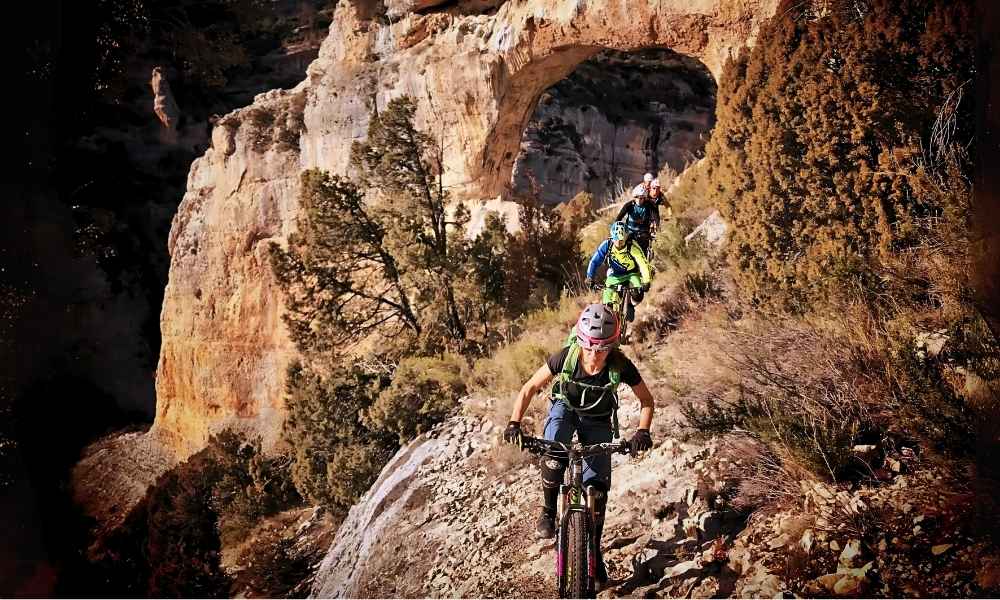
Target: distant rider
x: 641, y: 216
x: 658, y: 198
x: 627, y: 264
x: 584, y: 400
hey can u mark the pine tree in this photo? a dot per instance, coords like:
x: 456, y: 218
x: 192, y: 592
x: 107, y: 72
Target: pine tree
x: 341, y: 277
x: 402, y: 168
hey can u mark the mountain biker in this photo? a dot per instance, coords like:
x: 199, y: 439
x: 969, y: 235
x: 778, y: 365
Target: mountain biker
x: 573, y: 408
x: 627, y: 264
x: 640, y: 215
x: 647, y: 180
x: 657, y: 196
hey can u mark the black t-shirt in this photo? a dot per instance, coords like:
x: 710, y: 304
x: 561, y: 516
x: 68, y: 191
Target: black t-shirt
x: 629, y: 376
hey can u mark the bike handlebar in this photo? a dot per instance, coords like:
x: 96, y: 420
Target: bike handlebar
x: 540, y: 446
x: 621, y: 286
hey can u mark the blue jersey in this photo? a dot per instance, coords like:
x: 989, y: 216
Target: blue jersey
x: 638, y: 217
x: 622, y: 261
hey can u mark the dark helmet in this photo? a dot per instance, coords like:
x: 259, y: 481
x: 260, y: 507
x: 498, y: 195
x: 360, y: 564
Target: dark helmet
x: 597, y: 328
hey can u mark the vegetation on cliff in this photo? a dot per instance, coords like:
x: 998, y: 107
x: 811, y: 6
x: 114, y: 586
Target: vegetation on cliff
x: 387, y: 299
x: 832, y: 136
x: 852, y: 196
x: 170, y: 545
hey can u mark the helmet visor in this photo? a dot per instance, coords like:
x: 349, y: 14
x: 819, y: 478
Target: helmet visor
x: 591, y: 343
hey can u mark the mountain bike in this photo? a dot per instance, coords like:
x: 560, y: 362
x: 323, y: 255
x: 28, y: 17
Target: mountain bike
x: 576, y: 544
x: 619, y: 304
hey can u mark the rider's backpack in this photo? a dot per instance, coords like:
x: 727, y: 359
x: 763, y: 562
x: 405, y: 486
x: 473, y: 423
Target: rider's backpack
x: 615, y: 359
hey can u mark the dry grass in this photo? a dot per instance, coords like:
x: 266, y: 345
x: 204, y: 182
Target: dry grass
x: 789, y: 382
x: 691, y: 192
x: 533, y: 338
x: 763, y: 480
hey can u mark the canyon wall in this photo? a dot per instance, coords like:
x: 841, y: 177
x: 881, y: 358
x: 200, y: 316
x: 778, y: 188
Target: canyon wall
x: 477, y: 77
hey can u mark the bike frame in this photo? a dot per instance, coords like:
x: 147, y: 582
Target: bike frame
x: 574, y: 498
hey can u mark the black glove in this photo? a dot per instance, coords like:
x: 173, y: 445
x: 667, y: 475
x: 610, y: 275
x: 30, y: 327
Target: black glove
x: 512, y: 435
x: 645, y: 287
x: 641, y: 441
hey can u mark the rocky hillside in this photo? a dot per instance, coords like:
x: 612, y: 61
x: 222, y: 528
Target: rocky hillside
x: 476, y: 78
x: 476, y: 70
x: 453, y: 513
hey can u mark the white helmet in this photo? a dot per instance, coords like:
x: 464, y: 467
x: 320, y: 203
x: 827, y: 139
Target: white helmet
x: 639, y: 191
x: 647, y: 177
x: 655, y: 183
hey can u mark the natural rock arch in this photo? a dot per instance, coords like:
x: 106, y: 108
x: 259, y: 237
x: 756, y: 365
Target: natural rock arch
x: 615, y: 117
x: 551, y: 59
x: 479, y: 77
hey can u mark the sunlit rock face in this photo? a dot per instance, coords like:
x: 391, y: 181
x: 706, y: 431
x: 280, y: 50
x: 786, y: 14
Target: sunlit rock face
x: 615, y: 117
x: 477, y: 78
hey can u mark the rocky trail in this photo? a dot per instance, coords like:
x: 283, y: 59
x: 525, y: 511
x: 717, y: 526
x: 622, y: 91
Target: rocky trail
x: 453, y: 515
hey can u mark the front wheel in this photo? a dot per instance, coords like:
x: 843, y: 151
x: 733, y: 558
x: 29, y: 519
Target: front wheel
x: 577, y: 569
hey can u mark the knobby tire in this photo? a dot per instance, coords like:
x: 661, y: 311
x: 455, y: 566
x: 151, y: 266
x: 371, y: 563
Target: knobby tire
x: 577, y: 574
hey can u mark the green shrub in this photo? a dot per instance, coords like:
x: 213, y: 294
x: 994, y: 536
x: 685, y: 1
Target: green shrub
x: 423, y: 392
x: 670, y: 250
x: 252, y: 486
x: 260, y: 121
x: 508, y: 369
x: 352, y: 468
x: 693, y: 192
x: 335, y: 456
x: 578, y: 212
x: 538, y: 334
x: 292, y: 122
x: 818, y: 129
x: 168, y: 545
x: 595, y: 233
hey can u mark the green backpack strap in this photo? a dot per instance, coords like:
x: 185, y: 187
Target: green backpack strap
x: 569, y: 364
x: 614, y: 380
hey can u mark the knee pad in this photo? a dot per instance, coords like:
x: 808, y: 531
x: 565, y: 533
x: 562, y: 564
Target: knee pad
x: 552, y: 471
x: 597, y: 492
x: 637, y: 296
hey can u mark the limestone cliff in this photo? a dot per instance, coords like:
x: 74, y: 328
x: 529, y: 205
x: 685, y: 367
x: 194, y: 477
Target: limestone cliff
x: 477, y: 70
x: 477, y: 78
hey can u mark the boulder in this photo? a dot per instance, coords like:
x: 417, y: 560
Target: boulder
x: 712, y: 230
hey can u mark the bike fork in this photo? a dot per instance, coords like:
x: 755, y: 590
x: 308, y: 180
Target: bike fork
x: 561, y: 542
